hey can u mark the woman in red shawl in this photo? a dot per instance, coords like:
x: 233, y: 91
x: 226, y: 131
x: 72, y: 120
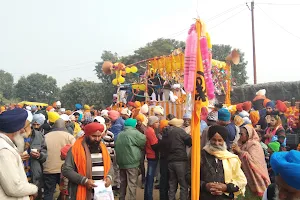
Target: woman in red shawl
x: 253, y: 161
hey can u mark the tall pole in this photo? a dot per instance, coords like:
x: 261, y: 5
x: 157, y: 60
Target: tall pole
x: 253, y: 43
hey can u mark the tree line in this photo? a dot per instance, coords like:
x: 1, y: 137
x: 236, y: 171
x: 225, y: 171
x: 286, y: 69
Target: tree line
x: 42, y: 88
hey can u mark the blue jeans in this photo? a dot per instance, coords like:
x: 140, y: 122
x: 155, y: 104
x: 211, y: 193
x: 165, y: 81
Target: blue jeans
x: 148, y: 193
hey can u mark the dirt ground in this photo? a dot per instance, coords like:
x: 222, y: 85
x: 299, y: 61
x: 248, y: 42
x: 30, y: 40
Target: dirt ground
x: 139, y: 192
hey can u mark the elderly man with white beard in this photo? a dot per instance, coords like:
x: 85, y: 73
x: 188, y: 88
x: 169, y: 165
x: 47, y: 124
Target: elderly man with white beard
x: 13, y: 181
x: 286, y: 166
x: 221, y: 174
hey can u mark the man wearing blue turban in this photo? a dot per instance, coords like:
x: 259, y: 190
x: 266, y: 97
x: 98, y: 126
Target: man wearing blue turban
x: 286, y: 166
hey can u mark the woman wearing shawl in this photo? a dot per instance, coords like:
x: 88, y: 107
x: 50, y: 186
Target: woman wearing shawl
x: 253, y: 163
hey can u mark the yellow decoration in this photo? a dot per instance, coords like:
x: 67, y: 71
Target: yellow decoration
x: 121, y: 79
x: 115, y: 82
x: 127, y: 70
x: 168, y: 62
x: 208, y: 41
x: 135, y: 86
x: 219, y: 64
x: 142, y: 87
x: 134, y: 69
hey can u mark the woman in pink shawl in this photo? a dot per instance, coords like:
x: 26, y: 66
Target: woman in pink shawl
x: 253, y: 161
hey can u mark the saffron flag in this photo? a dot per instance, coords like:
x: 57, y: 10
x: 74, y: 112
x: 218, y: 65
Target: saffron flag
x: 200, y: 100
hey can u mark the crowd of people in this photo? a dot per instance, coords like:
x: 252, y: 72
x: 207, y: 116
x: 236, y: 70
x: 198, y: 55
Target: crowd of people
x: 244, y: 154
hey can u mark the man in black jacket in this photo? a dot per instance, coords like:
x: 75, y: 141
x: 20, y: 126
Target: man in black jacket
x: 176, y: 140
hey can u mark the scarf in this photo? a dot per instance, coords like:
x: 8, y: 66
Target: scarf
x: 232, y: 169
x: 271, y: 132
x: 82, y: 159
x: 254, y: 164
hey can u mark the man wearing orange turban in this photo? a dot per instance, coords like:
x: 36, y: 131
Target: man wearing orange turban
x: 80, y: 165
x: 282, y: 108
x: 247, y: 106
x: 239, y: 107
x: 254, y: 117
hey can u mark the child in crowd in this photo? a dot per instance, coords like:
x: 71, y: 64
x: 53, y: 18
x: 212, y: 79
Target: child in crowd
x: 63, y: 186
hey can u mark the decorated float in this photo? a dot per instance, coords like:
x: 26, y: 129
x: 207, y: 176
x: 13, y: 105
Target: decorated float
x: 166, y: 80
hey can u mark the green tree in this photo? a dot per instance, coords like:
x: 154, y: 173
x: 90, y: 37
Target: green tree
x: 83, y: 92
x: 6, y: 84
x: 158, y: 47
x: 37, y: 87
x: 239, y: 73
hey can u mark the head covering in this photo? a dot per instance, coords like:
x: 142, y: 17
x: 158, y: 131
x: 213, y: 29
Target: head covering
x: 72, y: 118
x: 274, y: 146
x: 86, y: 107
x: 130, y: 122
x: 68, y: 112
x: 247, y: 120
x: 104, y: 113
x: 187, y: 115
x: 53, y: 116
x: 176, y: 122
x: 176, y: 86
x: 145, y: 109
x: 223, y: 115
x: 65, y: 117
x: 50, y: 108
x: 137, y: 104
x: 244, y: 114
x: 140, y: 117
x: 265, y: 102
x: 152, y: 120
x: 247, y: 105
x: 126, y: 111
x: 251, y: 133
x: 33, y: 107
x: 64, y: 151
x: 212, y: 116
x: 238, y: 121
x: 13, y: 120
x: 281, y: 106
x: 78, y: 106
x: 158, y: 110
x: 254, y: 117
x: 287, y: 165
x: 28, y: 108
x: 113, y: 115
x: 261, y: 92
x: 239, y: 107
x: 163, y: 123
x: 60, y: 125
x: 217, y: 129
x: 29, y: 117
x: 38, y: 118
x: 58, y: 103
x: 93, y: 127
x: 99, y: 119
x: 2, y: 109
x: 130, y: 103
x: 270, y: 104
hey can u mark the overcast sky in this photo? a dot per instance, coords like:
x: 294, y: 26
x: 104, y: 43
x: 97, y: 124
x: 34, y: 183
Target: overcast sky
x: 64, y: 38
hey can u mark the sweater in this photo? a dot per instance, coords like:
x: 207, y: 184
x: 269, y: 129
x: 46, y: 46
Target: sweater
x: 129, y: 145
x: 56, y: 140
x: 13, y: 180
